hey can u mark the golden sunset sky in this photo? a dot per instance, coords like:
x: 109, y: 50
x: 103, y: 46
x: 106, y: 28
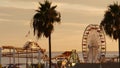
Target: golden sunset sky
x: 16, y: 16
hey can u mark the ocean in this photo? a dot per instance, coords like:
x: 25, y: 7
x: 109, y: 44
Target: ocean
x: 5, y: 60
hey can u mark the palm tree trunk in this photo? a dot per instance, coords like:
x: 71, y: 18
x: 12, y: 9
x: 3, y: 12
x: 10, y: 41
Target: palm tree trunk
x: 119, y: 50
x: 50, y: 51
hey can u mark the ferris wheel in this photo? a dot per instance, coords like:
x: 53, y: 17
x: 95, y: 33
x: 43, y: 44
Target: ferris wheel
x: 93, y: 43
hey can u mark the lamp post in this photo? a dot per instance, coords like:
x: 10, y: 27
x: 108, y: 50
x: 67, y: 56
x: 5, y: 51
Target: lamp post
x: 10, y: 56
x: 14, y: 57
x: 26, y: 58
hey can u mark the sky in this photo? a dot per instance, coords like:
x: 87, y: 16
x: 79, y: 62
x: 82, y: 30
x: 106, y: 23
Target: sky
x: 76, y: 15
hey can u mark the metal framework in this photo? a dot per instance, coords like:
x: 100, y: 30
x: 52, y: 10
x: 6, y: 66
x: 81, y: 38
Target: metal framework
x: 101, y: 40
x: 26, y: 51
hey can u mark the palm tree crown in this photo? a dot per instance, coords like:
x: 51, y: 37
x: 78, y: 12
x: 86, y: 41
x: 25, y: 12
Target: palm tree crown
x: 111, y: 21
x: 44, y: 19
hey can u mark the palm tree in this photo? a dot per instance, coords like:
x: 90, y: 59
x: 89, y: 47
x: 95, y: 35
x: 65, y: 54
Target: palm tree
x: 111, y: 23
x: 43, y: 22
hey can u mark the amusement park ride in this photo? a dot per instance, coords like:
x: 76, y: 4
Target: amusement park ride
x: 26, y: 51
x: 93, y: 44
x: 93, y: 49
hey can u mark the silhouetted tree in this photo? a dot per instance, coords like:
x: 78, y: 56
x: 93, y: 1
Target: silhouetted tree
x: 44, y: 20
x: 111, y: 22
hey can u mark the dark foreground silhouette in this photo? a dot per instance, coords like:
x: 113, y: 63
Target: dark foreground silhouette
x: 96, y: 65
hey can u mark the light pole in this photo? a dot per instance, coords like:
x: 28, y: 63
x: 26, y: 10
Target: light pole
x: 14, y: 57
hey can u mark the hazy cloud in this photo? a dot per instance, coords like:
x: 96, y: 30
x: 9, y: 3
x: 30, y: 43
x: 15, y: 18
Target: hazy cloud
x: 16, y: 15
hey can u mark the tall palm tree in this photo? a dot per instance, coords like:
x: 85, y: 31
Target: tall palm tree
x: 43, y: 22
x: 111, y: 23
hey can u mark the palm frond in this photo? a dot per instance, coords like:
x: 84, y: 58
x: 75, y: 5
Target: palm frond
x: 111, y: 21
x: 44, y: 19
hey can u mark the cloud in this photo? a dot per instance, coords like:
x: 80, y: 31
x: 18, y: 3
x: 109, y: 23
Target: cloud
x: 16, y: 15
x: 78, y: 7
x: 24, y: 4
x: 2, y: 20
x: 80, y: 13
